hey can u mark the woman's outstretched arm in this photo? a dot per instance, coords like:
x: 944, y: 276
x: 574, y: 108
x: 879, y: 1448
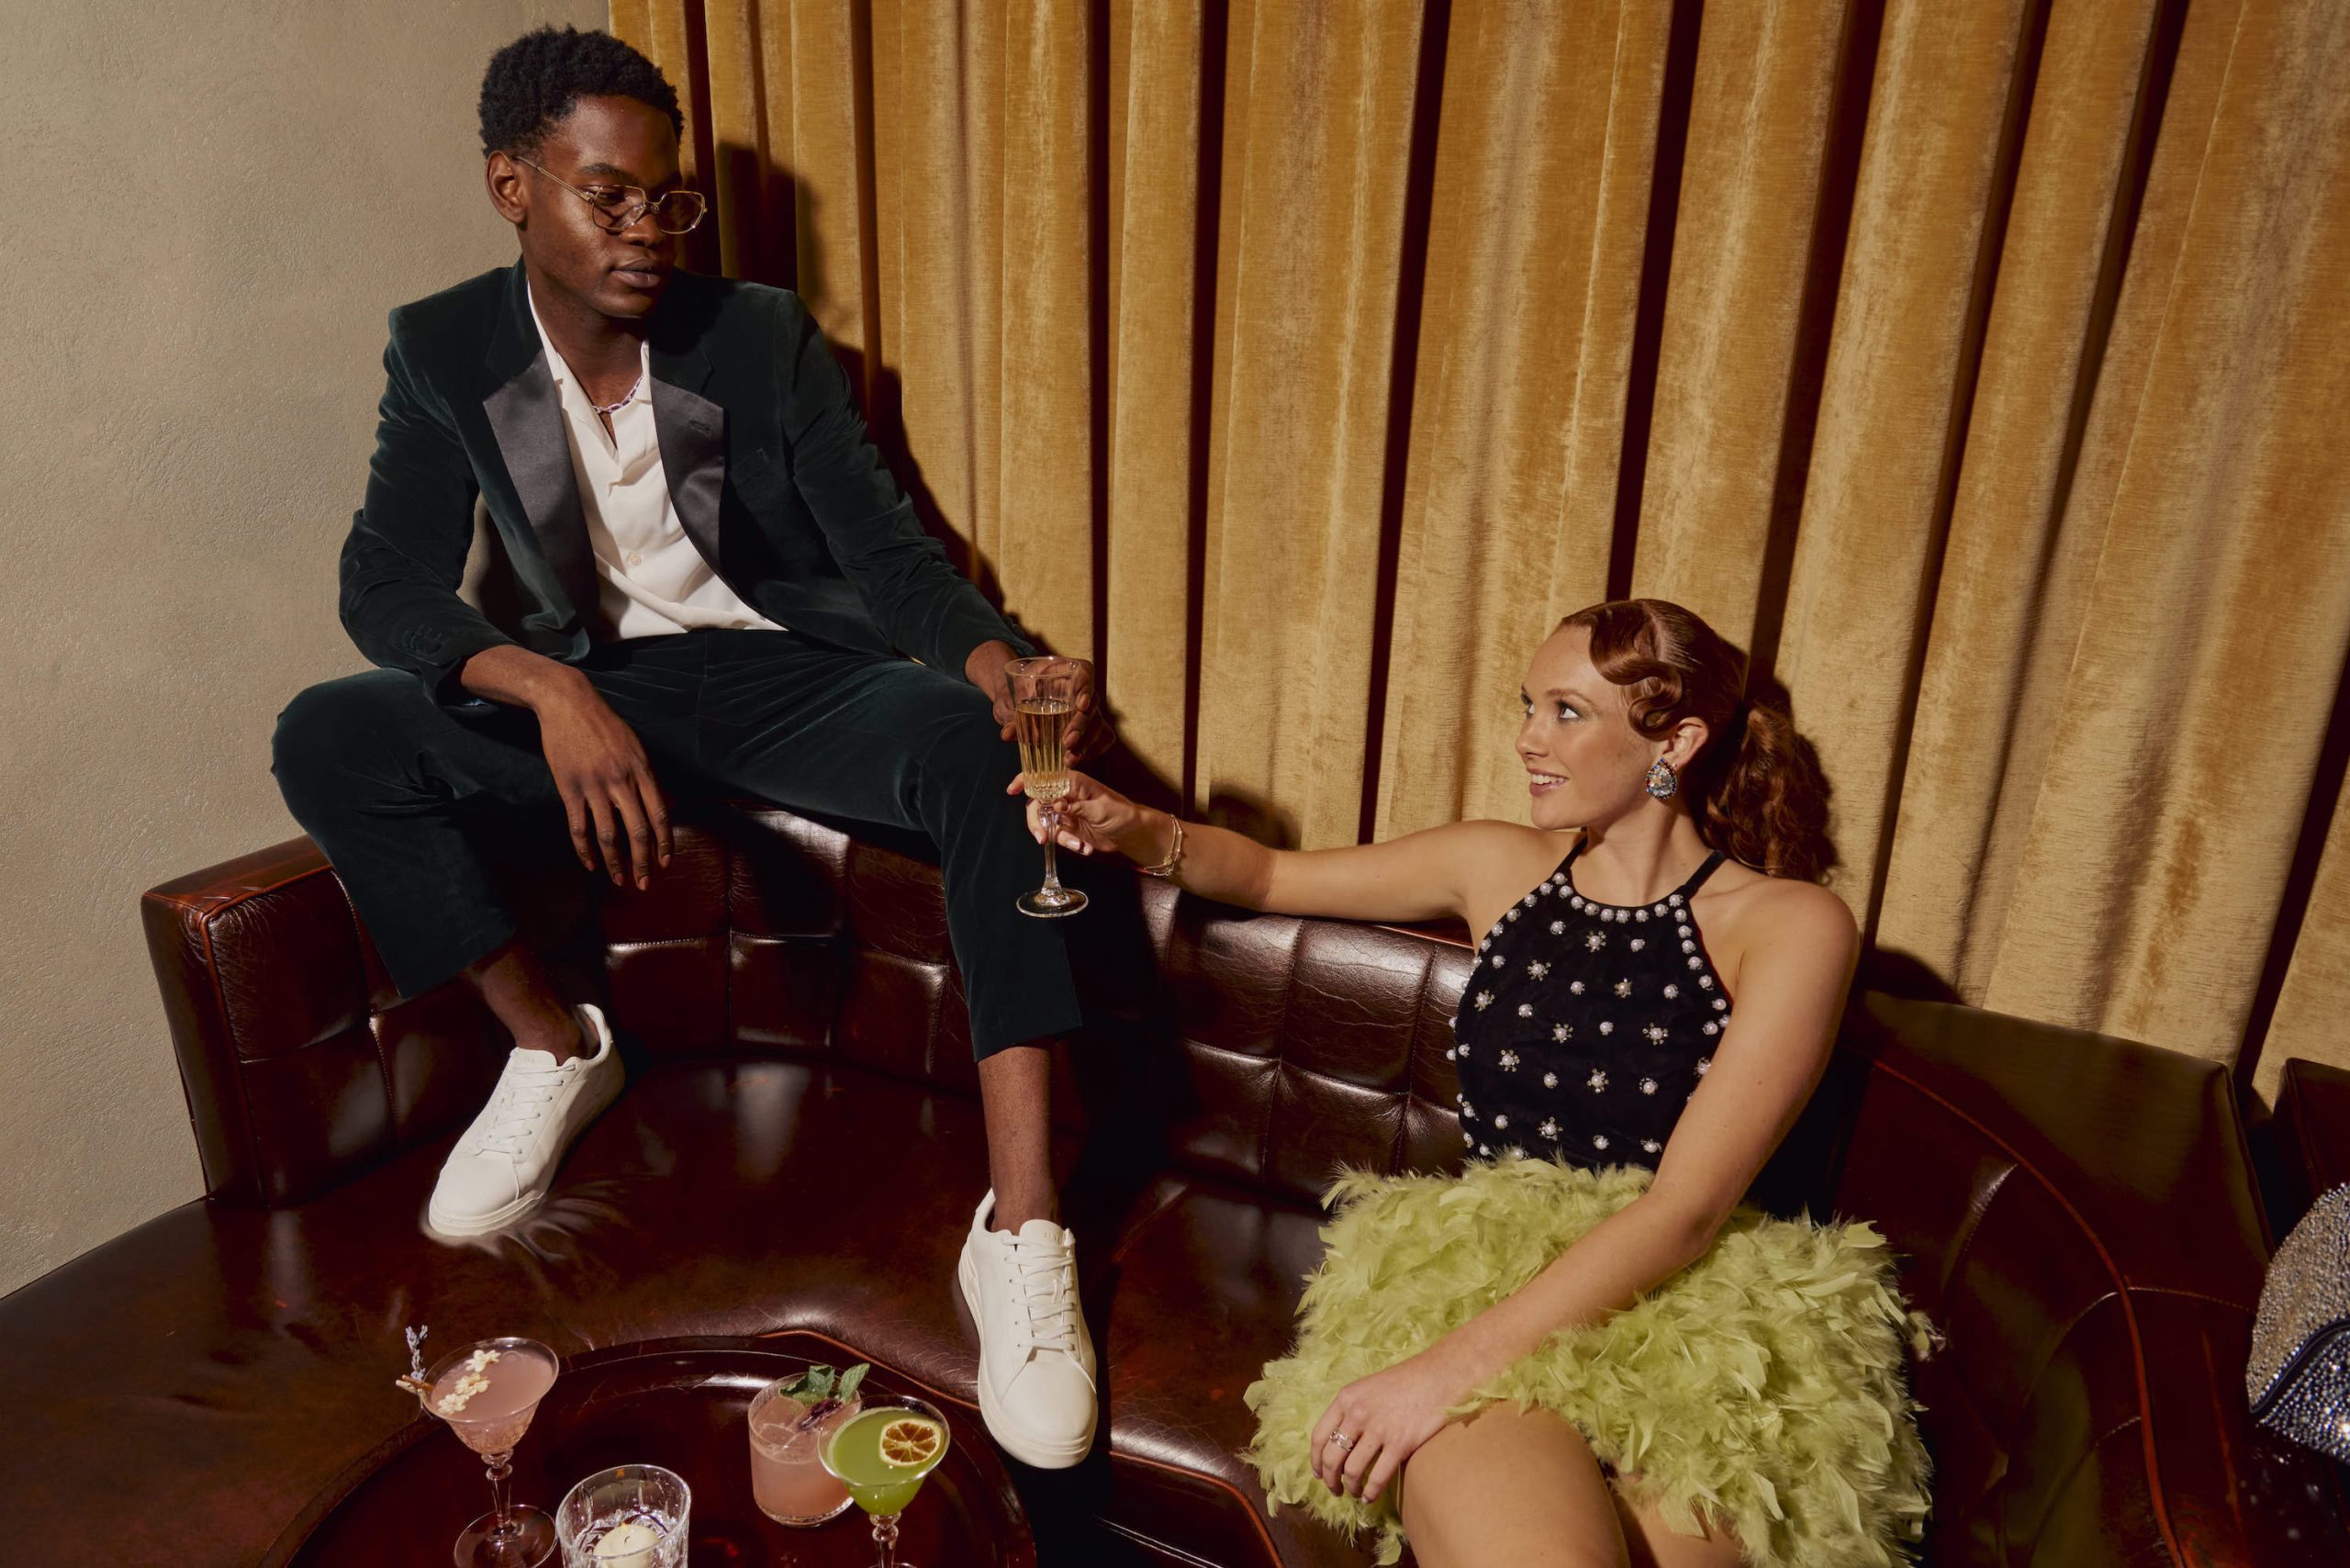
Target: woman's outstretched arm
x: 1422, y: 876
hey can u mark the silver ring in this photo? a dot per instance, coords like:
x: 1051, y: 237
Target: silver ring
x: 1343, y: 1441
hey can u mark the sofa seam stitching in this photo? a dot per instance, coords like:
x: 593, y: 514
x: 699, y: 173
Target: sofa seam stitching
x: 1400, y: 1148
x: 1280, y: 1058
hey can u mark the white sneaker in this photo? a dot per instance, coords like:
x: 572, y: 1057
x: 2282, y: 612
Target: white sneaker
x: 502, y: 1167
x: 1036, y: 1389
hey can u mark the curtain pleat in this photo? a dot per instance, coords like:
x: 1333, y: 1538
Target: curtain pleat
x: 818, y: 207
x: 1893, y: 399
x: 1539, y: 211
x: 1746, y: 310
x: 738, y: 144
x: 2010, y: 594
x: 1043, y: 543
x: 1155, y: 99
x: 1318, y: 149
x: 1978, y: 368
x: 2218, y: 603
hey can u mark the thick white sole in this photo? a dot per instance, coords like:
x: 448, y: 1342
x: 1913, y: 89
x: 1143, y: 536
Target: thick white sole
x: 1026, y: 1450
x: 482, y: 1224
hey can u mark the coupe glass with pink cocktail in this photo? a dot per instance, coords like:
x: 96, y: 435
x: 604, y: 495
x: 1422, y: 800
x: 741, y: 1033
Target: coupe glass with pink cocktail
x: 487, y: 1392
x: 790, y: 1420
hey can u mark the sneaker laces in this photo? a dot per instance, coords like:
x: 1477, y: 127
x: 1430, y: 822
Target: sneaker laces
x: 1043, y: 1277
x: 519, y: 1106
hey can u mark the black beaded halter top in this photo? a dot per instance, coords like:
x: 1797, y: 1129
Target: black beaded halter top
x: 1587, y: 1025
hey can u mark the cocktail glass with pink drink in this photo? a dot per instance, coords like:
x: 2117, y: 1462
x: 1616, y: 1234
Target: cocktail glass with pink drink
x: 487, y: 1392
x: 790, y: 1421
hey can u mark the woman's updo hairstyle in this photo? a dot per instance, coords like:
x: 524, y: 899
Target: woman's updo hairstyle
x: 1755, y: 787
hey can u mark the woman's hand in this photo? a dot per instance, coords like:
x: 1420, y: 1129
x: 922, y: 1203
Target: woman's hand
x: 1093, y: 816
x: 1388, y: 1414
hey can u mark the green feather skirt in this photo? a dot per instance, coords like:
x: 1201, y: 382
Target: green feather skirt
x: 1764, y: 1385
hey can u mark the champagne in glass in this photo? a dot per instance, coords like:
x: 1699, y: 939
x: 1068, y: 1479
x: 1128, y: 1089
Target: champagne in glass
x: 1044, y: 695
x: 1040, y: 724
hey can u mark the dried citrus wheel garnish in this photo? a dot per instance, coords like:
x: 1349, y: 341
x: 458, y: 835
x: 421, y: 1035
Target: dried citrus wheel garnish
x: 912, y: 1440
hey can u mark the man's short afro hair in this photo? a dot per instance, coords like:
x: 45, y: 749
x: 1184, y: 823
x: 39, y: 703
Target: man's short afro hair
x: 535, y: 81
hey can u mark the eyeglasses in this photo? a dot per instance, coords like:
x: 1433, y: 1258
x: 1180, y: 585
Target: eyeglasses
x: 618, y: 207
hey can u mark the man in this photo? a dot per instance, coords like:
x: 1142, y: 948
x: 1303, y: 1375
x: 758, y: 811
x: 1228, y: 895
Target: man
x: 721, y: 576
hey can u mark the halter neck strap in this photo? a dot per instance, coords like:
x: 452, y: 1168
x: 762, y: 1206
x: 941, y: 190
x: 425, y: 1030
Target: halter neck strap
x: 1687, y: 889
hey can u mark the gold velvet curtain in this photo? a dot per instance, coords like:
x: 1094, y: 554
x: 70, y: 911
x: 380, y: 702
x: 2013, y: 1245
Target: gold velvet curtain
x: 1983, y: 368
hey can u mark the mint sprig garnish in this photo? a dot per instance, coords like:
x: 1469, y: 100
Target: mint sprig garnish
x: 822, y: 1390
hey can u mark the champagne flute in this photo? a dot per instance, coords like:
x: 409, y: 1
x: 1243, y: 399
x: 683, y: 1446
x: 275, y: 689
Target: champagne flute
x: 1044, y: 695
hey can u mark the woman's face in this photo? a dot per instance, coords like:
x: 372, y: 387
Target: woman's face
x: 1584, y: 764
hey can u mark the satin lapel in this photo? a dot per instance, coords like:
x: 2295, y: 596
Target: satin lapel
x: 527, y: 418
x: 692, y: 433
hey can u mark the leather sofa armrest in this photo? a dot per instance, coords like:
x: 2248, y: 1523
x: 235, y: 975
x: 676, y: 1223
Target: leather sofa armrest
x: 302, y: 1067
x: 2079, y: 1219
x: 2312, y: 1133
x: 222, y: 941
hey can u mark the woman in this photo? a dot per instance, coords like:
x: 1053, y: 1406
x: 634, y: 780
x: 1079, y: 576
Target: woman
x: 1582, y: 1349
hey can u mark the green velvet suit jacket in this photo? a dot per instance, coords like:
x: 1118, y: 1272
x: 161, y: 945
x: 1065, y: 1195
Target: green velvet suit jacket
x: 765, y: 451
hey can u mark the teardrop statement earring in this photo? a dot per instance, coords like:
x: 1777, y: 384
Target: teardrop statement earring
x: 1662, y: 780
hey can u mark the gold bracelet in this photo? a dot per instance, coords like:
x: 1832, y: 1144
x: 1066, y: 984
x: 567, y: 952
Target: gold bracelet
x: 1175, y: 853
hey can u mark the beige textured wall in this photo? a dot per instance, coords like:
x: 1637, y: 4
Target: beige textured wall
x: 213, y: 205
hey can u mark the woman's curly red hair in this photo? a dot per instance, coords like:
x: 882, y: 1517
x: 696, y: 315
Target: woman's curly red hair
x: 1755, y: 787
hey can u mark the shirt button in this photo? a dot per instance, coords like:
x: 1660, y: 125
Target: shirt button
x: 634, y: 559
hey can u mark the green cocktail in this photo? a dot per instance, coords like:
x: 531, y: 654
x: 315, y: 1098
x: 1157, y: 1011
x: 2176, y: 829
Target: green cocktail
x: 882, y: 1454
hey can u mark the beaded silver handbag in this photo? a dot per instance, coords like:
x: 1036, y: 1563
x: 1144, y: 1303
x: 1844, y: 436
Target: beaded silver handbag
x: 2298, y: 1378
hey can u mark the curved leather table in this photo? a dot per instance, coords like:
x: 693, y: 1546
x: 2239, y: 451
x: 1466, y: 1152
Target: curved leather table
x: 681, y: 1404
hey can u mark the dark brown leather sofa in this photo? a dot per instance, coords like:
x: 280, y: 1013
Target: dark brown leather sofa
x: 799, y: 1146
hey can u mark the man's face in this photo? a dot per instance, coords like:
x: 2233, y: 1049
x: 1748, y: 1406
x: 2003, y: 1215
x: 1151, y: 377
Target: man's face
x: 602, y: 144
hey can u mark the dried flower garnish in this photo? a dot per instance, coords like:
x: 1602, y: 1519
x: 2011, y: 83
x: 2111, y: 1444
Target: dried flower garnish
x: 413, y: 1379
x: 475, y: 1380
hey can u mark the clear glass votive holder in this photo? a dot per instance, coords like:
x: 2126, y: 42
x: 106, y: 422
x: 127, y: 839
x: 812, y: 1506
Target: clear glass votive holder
x: 643, y: 1500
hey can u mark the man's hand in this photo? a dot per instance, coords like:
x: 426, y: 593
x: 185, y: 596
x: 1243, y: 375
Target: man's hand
x: 609, y: 798
x: 1089, y: 734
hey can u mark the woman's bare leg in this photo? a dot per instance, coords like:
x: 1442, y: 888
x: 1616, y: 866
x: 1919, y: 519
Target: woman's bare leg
x: 1656, y: 1544
x: 1512, y: 1486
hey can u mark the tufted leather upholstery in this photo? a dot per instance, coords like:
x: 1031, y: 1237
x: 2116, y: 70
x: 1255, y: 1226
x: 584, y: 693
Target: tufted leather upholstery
x: 2077, y: 1211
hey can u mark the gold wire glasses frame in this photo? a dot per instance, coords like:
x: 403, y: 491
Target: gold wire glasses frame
x: 618, y: 207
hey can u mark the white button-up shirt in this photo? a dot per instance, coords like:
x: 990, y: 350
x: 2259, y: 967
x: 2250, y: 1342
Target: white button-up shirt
x: 651, y: 579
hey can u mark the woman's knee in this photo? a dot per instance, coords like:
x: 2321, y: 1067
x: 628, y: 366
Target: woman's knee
x: 1510, y: 1486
